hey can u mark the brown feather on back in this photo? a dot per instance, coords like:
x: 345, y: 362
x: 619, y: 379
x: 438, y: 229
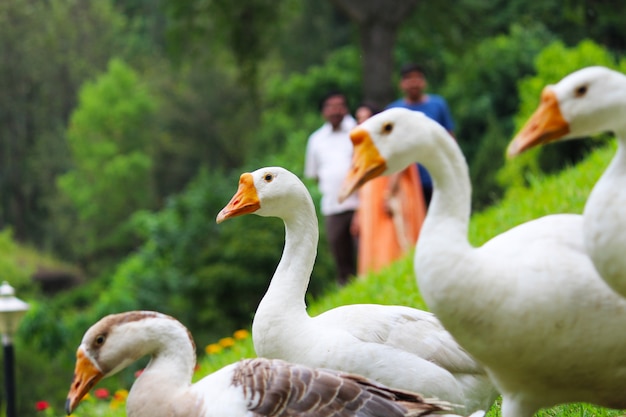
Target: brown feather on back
x: 280, y: 389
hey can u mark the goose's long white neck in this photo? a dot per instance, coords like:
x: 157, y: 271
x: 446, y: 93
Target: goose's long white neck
x: 443, y: 243
x: 172, y: 362
x: 448, y: 216
x: 604, y: 217
x: 283, y: 306
x: 617, y: 168
x: 170, y: 346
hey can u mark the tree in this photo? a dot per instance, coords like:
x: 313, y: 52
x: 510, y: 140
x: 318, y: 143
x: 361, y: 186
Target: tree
x: 110, y: 141
x: 40, y: 72
x: 378, y: 22
x: 246, y: 28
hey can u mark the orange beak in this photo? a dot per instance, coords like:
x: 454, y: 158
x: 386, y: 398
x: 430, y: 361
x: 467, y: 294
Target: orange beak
x: 86, y: 375
x: 547, y: 124
x: 367, y: 163
x: 244, y: 201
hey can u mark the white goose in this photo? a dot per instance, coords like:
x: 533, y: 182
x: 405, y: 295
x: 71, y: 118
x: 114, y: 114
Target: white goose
x: 587, y: 102
x: 251, y: 387
x: 528, y: 304
x: 398, y: 346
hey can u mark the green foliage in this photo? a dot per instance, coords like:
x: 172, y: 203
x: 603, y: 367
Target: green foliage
x: 312, y: 29
x: 300, y: 93
x: 483, y: 99
x: 16, y: 273
x: 553, y: 63
x: 209, y: 276
x: 110, y: 141
x: 565, y: 192
x: 192, y: 23
x: 48, y: 49
x: 207, y: 120
x: 292, y: 110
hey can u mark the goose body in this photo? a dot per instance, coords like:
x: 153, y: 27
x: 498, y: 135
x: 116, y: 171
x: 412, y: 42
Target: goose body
x: 528, y: 304
x: 398, y: 346
x: 587, y: 102
x: 248, y: 388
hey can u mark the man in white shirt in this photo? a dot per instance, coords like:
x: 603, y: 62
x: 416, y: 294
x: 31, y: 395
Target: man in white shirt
x: 328, y: 158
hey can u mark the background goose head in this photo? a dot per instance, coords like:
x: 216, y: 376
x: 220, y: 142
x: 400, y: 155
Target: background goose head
x: 268, y: 192
x: 391, y: 146
x: 583, y: 103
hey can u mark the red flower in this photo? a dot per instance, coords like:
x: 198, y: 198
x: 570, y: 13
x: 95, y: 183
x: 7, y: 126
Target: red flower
x: 42, y: 405
x: 101, y: 393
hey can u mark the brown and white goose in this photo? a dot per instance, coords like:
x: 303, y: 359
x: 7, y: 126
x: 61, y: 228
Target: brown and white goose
x: 248, y: 388
x: 398, y: 346
x: 528, y: 304
x: 587, y: 102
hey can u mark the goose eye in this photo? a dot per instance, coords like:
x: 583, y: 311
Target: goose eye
x: 99, y: 341
x: 387, y: 127
x: 581, y: 91
x: 268, y: 177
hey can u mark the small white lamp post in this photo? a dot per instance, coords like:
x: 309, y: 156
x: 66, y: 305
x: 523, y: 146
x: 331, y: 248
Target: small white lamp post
x: 12, y: 309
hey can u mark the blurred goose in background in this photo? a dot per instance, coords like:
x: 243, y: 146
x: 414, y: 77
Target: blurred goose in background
x: 588, y: 102
x: 528, y: 304
x: 250, y: 387
x: 398, y: 346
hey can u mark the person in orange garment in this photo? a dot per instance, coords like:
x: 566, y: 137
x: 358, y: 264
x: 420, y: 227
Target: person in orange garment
x: 390, y: 214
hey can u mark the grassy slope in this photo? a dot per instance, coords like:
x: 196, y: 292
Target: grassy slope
x: 565, y: 192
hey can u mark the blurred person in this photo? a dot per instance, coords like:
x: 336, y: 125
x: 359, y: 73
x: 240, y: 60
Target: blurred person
x: 413, y: 84
x: 390, y: 215
x: 327, y: 160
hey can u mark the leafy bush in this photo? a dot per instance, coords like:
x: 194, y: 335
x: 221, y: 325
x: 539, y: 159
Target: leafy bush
x: 15, y: 273
x: 482, y: 91
x: 112, y: 176
x: 209, y: 276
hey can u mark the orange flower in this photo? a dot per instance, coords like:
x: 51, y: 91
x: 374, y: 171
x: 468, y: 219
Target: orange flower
x: 212, y: 349
x: 115, y: 404
x: 241, y: 334
x: 120, y: 395
x: 227, y: 342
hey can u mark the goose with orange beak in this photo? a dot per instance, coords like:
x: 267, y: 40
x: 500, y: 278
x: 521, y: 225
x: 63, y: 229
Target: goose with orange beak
x: 401, y: 347
x: 528, y: 304
x: 588, y: 102
x: 250, y: 387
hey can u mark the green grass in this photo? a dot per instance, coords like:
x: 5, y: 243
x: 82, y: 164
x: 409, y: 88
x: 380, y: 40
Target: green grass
x: 565, y: 192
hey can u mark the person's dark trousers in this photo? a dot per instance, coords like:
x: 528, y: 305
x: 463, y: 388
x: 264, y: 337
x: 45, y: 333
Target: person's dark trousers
x: 342, y: 244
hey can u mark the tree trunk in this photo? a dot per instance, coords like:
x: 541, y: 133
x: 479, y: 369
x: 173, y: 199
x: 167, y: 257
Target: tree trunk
x: 377, y: 42
x: 378, y: 22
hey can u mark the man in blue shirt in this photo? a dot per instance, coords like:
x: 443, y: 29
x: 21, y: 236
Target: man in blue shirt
x: 413, y: 85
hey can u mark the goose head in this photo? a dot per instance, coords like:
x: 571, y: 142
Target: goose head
x: 385, y: 144
x: 115, y: 342
x: 270, y: 191
x: 583, y: 103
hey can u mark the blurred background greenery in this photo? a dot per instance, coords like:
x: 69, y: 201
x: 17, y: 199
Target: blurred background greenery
x: 124, y: 125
